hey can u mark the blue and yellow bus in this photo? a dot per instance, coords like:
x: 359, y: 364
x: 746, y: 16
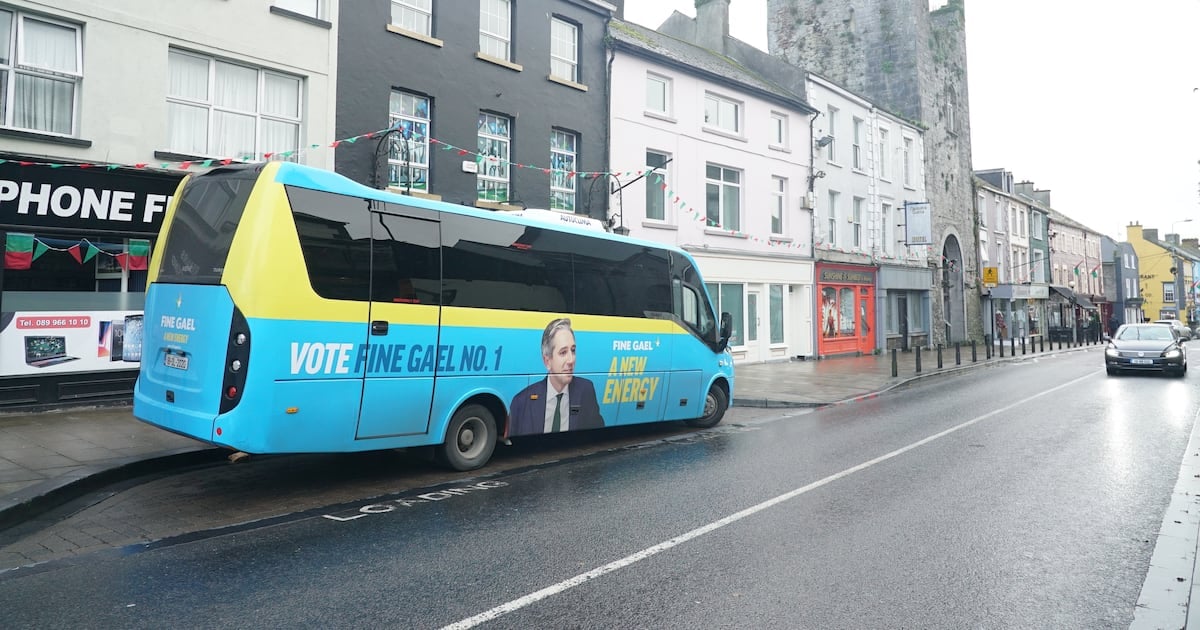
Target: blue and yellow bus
x: 292, y: 310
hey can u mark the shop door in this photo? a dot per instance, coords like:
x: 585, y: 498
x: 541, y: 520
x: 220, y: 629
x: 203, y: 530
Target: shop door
x: 866, y: 321
x: 754, y: 349
x: 902, y: 316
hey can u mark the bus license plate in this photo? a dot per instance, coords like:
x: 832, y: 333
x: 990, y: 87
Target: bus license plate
x: 1142, y: 361
x: 176, y: 361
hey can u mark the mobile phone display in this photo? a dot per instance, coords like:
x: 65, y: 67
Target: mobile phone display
x: 118, y: 341
x: 133, y: 338
x: 104, y: 343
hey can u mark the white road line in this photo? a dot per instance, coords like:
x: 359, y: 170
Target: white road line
x: 554, y: 589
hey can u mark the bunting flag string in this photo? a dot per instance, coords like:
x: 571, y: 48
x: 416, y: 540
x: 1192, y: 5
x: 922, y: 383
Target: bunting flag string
x: 135, y: 260
x: 20, y: 250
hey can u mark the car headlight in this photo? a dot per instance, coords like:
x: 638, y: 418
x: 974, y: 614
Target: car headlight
x: 1112, y: 351
x: 1173, y: 353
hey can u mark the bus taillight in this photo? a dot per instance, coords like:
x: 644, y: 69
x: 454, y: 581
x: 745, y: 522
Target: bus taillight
x: 237, y: 361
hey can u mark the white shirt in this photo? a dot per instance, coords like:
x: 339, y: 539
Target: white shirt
x: 564, y: 409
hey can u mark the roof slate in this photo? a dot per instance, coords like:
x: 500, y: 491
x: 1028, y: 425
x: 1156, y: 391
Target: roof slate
x: 636, y: 38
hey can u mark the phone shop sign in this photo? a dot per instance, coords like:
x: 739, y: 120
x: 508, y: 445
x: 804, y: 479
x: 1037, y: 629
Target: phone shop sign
x: 84, y: 199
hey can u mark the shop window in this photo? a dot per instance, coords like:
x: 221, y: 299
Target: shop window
x: 776, y: 308
x: 728, y: 298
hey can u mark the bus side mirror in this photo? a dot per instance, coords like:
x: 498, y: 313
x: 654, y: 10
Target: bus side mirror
x: 726, y: 331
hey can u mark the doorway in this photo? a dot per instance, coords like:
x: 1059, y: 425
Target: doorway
x: 902, y: 318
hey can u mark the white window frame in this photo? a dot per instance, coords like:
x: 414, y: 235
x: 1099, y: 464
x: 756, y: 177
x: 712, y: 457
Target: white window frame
x: 778, y: 204
x: 15, y: 64
x: 564, y: 41
x: 832, y: 232
x: 716, y: 106
x: 983, y: 210
x: 856, y: 154
x: 487, y: 182
x: 315, y: 10
x: 779, y: 131
x: 887, y: 210
x: 653, y: 78
x: 728, y: 191
x: 413, y: 15
x: 831, y: 149
x: 909, y: 146
x: 563, y: 162
x: 210, y: 105
x: 1169, y: 293
x: 495, y: 29
x: 884, y: 151
x: 856, y: 220
x: 654, y: 187
x: 409, y: 118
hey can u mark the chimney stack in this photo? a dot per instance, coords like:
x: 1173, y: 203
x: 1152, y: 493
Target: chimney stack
x: 712, y: 24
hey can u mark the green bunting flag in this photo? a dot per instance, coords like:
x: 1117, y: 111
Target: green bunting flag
x: 18, y: 251
x: 139, y: 251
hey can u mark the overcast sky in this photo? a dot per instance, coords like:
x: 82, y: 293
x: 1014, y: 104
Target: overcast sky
x: 1095, y: 101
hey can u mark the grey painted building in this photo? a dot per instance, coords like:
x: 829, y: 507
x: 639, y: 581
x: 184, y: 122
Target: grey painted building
x: 495, y: 103
x: 1128, y: 305
x: 913, y: 62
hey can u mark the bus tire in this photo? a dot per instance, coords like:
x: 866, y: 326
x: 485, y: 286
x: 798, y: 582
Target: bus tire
x: 470, y: 439
x: 715, y: 404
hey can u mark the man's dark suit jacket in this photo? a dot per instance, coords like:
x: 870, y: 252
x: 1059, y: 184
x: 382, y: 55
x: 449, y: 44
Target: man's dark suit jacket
x: 528, y: 416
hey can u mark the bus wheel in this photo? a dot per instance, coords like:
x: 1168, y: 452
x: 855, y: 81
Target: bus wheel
x: 715, y: 404
x: 470, y: 439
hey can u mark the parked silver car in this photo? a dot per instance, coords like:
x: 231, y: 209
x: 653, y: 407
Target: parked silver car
x: 1179, y: 327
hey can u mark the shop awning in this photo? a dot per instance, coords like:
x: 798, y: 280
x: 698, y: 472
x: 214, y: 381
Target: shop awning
x: 1071, y: 296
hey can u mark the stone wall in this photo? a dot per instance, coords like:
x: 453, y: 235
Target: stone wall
x: 912, y: 63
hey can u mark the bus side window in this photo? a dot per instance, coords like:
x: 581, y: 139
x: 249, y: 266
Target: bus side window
x: 406, y: 260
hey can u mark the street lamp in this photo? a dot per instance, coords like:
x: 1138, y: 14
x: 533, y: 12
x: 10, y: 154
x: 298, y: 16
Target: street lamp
x: 1074, y: 315
x: 1177, y: 271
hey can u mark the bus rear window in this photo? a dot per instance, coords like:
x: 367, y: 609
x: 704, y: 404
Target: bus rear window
x: 205, y: 220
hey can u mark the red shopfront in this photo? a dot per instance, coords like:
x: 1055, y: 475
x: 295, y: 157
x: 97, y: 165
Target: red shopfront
x: 846, y: 309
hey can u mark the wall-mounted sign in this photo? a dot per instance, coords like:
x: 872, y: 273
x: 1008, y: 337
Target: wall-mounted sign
x: 991, y: 276
x: 84, y: 199
x: 846, y: 276
x: 918, y: 223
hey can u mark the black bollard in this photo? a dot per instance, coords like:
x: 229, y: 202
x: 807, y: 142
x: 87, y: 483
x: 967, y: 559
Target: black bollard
x: 1042, y: 339
x: 1001, y: 344
x: 1022, y: 346
x: 974, y: 357
x: 895, y: 366
x: 1012, y: 342
x: 939, y: 348
x: 918, y: 359
x: 957, y: 353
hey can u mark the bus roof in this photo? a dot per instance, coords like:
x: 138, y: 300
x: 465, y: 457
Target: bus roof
x: 292, y: 174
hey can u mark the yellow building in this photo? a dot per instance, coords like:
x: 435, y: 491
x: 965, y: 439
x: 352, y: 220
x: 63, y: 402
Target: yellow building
x: 1157, y: 262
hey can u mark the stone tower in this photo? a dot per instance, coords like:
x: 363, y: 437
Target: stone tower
x: 912, y: 62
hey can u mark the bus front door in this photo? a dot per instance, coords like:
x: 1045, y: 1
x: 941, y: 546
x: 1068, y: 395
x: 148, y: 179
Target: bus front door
x: 402, y: 356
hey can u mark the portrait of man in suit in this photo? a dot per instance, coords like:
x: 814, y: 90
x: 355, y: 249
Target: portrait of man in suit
x: 561, y: 401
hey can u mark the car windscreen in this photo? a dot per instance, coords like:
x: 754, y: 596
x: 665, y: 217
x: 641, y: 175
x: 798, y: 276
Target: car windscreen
x: 1145, y: 333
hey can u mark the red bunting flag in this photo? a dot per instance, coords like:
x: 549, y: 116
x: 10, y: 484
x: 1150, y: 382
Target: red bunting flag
x: 122, y: 260
x: 139, y: 252
x: 74, y: 252
x: 18, y: 251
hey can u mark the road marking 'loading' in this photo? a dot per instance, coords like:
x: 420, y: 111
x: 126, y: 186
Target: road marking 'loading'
x: 554, y: 589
